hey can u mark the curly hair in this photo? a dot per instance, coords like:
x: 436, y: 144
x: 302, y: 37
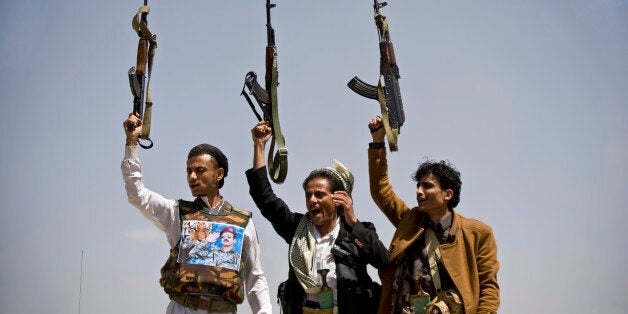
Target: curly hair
x: 446, y: 173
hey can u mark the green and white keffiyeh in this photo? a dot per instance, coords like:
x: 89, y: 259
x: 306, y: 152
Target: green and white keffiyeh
x: 303, y: 245
x: 302, y: 251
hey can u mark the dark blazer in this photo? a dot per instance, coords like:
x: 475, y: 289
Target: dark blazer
x: 357, y: 293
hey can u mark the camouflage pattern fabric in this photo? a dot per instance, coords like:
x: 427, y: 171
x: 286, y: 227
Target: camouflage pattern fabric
x: 200, y: 280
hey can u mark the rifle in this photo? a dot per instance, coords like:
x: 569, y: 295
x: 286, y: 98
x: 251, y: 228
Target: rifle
x: 266, y: 98
x: 388, y: 95
x: 140, y: 85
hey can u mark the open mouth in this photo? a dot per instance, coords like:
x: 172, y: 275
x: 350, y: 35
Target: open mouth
x: 315, y: 212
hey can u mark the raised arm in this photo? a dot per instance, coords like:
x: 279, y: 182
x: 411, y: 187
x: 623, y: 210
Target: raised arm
x: 156, y: 208
x: 261, y: 133
x: 272, y: 207
x: 381, y: 191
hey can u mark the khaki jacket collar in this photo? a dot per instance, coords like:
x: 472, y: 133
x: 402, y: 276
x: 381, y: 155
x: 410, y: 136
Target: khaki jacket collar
x: 411, y: 228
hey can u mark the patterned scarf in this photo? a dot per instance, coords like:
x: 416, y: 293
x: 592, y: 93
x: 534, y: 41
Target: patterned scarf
x: 302, y: 252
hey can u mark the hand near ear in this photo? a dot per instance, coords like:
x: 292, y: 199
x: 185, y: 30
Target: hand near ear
x: 341, y: 198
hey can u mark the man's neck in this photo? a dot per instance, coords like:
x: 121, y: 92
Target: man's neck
x: 212, y: 201
x: 439, y: 216
x: 324, y: 230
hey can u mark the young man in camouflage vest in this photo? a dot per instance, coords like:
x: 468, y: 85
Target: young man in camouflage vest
x: 206, y: 281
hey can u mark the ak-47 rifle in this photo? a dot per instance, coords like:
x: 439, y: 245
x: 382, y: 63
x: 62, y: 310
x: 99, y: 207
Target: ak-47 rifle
x: 140, y: 85
x: 266, y: 98
x: 388, y: 95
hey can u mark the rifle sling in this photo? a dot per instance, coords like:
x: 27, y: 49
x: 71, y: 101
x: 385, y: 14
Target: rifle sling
x: 277, y: 162
x: 391, y: 133
x: 142, y: 30
x: 278, y: 165
x: 248, y: 99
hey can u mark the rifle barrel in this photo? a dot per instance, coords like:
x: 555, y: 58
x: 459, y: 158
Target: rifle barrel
x: 145, y: 15
x: 270, y: 32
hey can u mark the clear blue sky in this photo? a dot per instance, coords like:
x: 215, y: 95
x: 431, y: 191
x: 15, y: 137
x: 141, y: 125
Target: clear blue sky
x: 528, y: 98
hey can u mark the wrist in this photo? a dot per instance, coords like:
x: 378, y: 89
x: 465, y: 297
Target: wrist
x: 378, y: 139
x: 131, y: 141
x: 376, y: 145
x: 352, y: 222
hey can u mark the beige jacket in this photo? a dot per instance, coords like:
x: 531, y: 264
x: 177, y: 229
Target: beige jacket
x: 470, y: 260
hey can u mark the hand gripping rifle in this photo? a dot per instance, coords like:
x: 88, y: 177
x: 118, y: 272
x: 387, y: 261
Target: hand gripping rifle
x: 140, y: 85
x: 389, y: 96
x: 266, y: 98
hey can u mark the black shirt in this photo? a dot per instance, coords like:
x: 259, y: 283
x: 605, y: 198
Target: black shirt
x: 416, y: 260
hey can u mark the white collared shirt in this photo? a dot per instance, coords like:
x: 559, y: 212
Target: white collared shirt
x: 323, y: 258
x: 164, y: 213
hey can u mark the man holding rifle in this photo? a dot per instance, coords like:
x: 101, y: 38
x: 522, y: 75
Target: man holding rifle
x: 328, y: 236
x: 194, y: 288
x: 452, y: 258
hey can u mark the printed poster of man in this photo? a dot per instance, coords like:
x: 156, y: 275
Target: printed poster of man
x: 211, y: 244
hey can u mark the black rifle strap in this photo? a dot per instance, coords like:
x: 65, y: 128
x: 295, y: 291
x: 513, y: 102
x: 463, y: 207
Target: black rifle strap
x: 248, y: 99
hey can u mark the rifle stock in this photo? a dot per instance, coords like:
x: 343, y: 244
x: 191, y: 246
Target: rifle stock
x: 259, y: 93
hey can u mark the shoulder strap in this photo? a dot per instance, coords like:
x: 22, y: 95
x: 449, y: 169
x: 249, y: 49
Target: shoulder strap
x: 227, y: 208
x: 433, y: 256
x: 187, y: 207
x: 391, y: 133
x: 278, y: 163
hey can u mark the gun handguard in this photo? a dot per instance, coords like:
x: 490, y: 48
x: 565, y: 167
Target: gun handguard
x: 137, y: 75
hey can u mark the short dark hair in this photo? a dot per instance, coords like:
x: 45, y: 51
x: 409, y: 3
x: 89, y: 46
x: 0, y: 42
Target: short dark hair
x: 334, y: 182
x: 218, y: 158
x: 446, y: 173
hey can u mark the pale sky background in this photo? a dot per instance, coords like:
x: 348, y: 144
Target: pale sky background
x: 528, y: 98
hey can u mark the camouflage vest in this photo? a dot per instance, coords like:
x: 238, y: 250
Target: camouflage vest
x: 198, y: 267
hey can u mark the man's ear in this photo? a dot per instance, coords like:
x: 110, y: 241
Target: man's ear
x: 449, y: 193
x: 220, y: 173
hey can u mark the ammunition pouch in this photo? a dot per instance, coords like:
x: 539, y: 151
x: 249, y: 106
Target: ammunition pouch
x: 445, y: 302
x: 357, y: 293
